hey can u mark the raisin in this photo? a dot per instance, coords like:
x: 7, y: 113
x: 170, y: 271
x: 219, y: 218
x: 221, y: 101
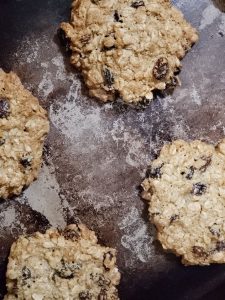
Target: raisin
x: 108, y: 48
x: 26, y: 273
x: 173, y: 83
x: 95, y: 1
x: 173, y: 218
x: 85, y: 39
x: 142, y: 104
x: 72, y: 233
x: 2, y: 141
x: 108, y: 77
x: 154, y: 173
x: 4, y: 108
x: 26, y: 161
x: 107, y: 260
x: 220, y: 246
x: 85, y: 295
x: 161, y: 68
x: 214, y: 231
x: 137, y: 4
x: 64, y: 40
x: 68, y: 270
x: 199, y: 251
x: 199, y: 189
x: 14, y: 286
x: 117, y: 17
x: 102, y: 281
x: 63, y: 276
x: 208, y: 161
x: 102, y: 295
x: 155, y: 214
x: 190, y: 173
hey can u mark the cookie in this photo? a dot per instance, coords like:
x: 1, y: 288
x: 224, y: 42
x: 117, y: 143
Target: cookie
x: 185, y: 188
x: 126, y: 47
x: 67, y: 264
x: 23, y: 127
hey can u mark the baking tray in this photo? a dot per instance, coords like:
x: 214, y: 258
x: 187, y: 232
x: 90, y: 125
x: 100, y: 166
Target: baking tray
x: 96, y: 155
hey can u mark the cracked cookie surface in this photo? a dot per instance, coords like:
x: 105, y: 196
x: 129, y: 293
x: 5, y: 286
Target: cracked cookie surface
x: 67, y: 264
x: 127, y: 48
x: 23, y: 127
x: 185, y: 188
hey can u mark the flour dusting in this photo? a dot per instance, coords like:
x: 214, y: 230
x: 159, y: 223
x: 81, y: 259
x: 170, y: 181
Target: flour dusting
x: 72, y: 122
x: 209, y: 15
x: 7, y: 218
x: 45, y: 87
x: 136, y: 237
x: 136, y: 156
x: 222, y: 25
x: 43, y: 196
x: 195, y: 96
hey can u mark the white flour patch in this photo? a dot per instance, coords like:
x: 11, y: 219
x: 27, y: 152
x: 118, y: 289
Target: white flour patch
x: 61, y: 73
x: 43, y: 196
x: 132, y: 143
x: 33, y: 55
x: 182, y: 3
x: 209, y: 15
x: 195, y: 96
x: 9, y: 220
x: 222, y: 24
x: 74, y: 123
x: 30, y: 49
x: 103, y: 201
x: 129, y: 219
x: 136, y: 156
x: 45, y: 65
x: 73, y: 91
x: 46, y: 86
x: 117, y: 128
x: 136, y: 237
x: 216, y: 126
x: 8, y: 217
x: 180, y: 131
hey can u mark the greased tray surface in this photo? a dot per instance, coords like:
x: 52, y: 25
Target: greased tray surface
x: 96, y: 155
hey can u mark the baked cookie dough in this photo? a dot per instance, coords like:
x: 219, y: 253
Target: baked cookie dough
x: 23, y: 127
x: 185, y: 188
x: 66, y: 264
x: 126, y: 47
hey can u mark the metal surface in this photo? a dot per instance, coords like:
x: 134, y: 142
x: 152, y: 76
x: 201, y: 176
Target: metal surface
x: 96, y: 155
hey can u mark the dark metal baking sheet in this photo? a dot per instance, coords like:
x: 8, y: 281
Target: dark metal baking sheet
x: 95, y: 156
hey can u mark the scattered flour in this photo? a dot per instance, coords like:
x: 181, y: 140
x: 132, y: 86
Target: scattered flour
x: 136, y: 236
x: 103, y: 200
x: 61, y: 74
x: 136, y: 156
x: 46, y: 86
x: 195, y: 95
x: 222, y: 24
x: 43, y: 196
x: 8, y: 217
x: 74, y: 123
x: 209, y: 15
x: 10, y: 222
